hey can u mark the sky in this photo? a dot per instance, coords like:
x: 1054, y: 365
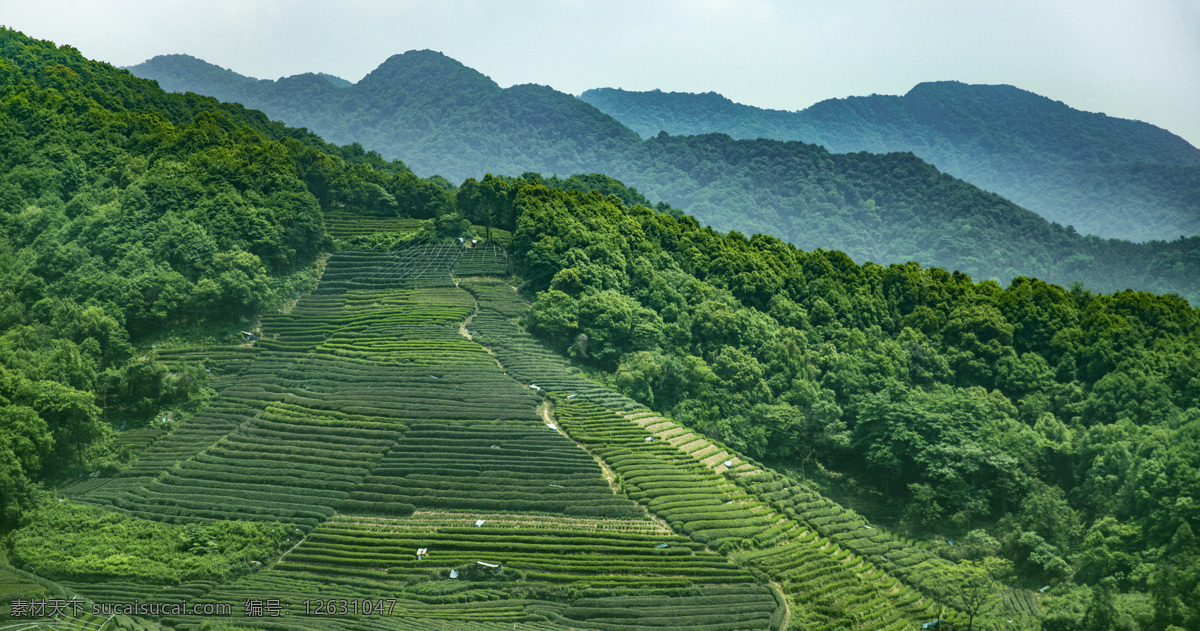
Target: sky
x: 1134, y: 59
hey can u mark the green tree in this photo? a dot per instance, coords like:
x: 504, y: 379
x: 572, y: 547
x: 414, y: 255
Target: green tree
x: 970, y: 587
x: 1101, y: 613
x: 487, y: 203
x: 553, y: 318
x: 71, y: 415
x: 25, y: 441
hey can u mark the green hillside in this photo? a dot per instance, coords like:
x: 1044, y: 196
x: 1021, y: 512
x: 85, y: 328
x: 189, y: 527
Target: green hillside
x: 893, y: 208
x: 370, y: 424
x: 361, y: 424
x: 283, y: 381
x: 1055, y: 429
x: 132, y: 219
x: 442, y: 117
x: 1105, y: 176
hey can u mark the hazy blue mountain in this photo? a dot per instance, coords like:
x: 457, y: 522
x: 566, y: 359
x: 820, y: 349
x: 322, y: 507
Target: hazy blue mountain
x: 337, y: 81
x: 184, y: 73
x: 442, y: 117
x: 1104, y: 175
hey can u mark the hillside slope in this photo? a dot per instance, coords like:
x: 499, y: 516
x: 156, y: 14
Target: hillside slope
x: 1106, y: 176
x: 371, y: 425
x: 126, y: 211
x: 1031, y: 423
x: 130, y: 220
x: 392, y: 410
x: 360, y: 427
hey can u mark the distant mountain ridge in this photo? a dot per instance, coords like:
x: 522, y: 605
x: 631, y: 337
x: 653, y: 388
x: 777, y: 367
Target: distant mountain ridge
x: 1104, y: 175
x: 415, y: 106
x: 441, y: 117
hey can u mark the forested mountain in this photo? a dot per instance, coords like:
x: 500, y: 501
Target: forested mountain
x: 1106, y: 176
x: 362, y: 424
x: 434, y: 113
x: 893, y: 208
x: 441, y: 117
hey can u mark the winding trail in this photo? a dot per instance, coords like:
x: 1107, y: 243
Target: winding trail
x: 462, y: 330
x: 462, y: 326
x: 546, y: 410
x: 787, y: 606
x: 289, y: 551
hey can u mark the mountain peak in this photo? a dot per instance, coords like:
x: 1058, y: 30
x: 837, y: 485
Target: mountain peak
x: 425, y: 76
x: 335, y: 80
x: 1049, y: 128
x: 185, y: 73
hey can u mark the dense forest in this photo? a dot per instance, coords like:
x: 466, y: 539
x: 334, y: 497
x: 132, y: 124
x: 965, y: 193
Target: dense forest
x: 1105, y: 176
x: 442, y: 117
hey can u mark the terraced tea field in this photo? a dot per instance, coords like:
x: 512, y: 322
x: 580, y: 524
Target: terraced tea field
x: 389, y: 419
x: 557, y: 565
x: 344, y: 225
x: 827, y: 583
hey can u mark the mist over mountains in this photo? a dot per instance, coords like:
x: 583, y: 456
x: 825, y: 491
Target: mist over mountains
x: 1106, y: 176
x: 426, y: 109
x: 441, y: 117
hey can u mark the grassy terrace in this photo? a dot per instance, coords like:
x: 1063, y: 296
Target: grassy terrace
x: 524, y: 357
x: 363, y: 405
x: 832, y: 564
x: 344, y: 225
x: 826, y: 583
x: 581, y: 572
x: 499, y: 466
x: 375, y: 423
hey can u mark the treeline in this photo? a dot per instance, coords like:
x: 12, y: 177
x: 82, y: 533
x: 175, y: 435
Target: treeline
x: 1056, y: 428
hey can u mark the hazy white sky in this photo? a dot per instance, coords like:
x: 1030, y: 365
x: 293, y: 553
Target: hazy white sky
x: 1136, y: 59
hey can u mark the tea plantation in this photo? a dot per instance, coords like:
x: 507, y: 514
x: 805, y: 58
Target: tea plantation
x: 423, y: 463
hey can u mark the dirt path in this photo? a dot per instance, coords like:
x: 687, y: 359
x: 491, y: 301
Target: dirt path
x: 787, y: 607
x: 462, y: 330
x: 462, y: 326
x: 289, y: 551
x: 546, y: 410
